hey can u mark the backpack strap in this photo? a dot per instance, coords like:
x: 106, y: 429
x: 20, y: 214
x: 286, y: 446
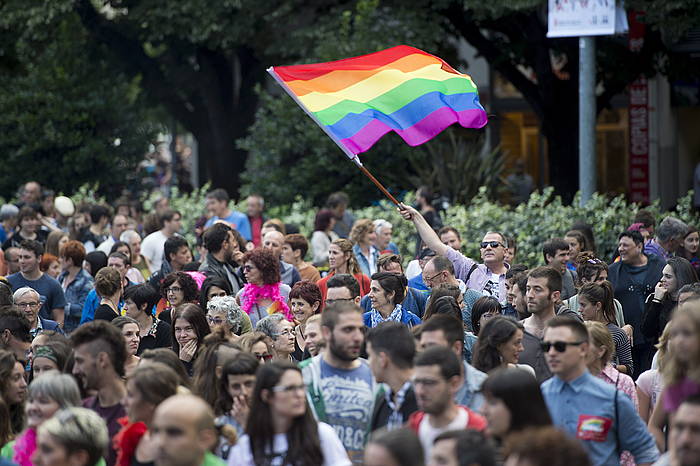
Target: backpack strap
x: 469, y: 274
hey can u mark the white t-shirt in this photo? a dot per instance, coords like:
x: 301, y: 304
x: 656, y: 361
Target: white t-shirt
x: 333, y: 452
x: 427, y: 433
x: 152, y: 249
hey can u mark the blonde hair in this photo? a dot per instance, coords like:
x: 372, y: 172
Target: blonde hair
x: 360, y: 228
x: 79, y: 429
x: 674, y: 369
x: 314, y: 319
x: 346, y: 248
x: 599, y: 335
x: 662, y: 346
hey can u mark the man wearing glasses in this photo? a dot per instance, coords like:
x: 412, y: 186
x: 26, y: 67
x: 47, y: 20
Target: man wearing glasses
x: 604, y: 420
x: 489, y: 277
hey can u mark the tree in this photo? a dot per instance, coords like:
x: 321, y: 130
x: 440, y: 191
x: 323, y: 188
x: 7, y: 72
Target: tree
x: 66, y: 118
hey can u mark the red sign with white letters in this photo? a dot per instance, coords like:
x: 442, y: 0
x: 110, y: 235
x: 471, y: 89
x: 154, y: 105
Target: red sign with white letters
x: 638, y: 121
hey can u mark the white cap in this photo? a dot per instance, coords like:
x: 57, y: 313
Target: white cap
x: 64, y: 206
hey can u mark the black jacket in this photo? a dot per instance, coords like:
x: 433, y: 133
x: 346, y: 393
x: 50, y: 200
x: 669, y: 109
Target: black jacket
x: 382, y: 411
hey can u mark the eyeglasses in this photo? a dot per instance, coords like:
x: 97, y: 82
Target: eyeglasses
x: 559, y: 346
x: 215, y: 320
x: 493, y: 244
x: 430, y: 279
x: 287, y: 332
x: 289, y: 388
x: 173, y: 289
x: 339, y: 300
x: 262, y: 357
x: 248, y: 268
x: 23, y: 305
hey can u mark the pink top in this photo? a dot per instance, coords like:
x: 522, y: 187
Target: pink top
x: 651, y: 384
x: 677, y: 393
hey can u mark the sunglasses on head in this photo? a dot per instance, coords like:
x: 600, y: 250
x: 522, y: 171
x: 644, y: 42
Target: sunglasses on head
x: 493, y: 244
x: 559, y: 346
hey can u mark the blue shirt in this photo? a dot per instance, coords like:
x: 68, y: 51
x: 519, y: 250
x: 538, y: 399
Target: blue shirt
x: 349, y: 396
x: 414, y: 302
x: 238, y: 220
x: 585, y: 408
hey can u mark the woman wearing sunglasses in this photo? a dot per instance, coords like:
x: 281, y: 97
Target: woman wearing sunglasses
x: 258, y: 344
x: 283, y: 430
x: 264, y: 294
x: 223, y: 312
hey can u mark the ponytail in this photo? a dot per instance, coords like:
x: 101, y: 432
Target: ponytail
x: 601, y: 293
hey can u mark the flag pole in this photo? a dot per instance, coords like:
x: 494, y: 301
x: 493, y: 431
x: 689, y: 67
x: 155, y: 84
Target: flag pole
x: 342, y: 147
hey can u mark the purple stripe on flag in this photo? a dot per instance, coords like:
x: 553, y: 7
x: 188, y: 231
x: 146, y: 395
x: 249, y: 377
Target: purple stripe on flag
x: 425, y: 130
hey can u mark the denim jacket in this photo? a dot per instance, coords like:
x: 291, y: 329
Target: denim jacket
x: 363, y: 262
x: 469, y: 394
x: 76, y: 293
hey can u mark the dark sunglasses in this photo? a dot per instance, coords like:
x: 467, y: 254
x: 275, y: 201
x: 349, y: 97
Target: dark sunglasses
x: 493, y: 244
x: 559, y: 346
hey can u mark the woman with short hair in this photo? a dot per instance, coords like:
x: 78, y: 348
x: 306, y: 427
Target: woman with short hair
x: 147, y: 387
x: 223, y: 312
x: 47, y: 394
x: 75, y: 436
x: 139, y: 301
x: 304, y: 301
x: 281, y: 331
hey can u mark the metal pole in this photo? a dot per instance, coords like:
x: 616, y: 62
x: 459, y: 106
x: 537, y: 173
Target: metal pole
x: 586, y: 118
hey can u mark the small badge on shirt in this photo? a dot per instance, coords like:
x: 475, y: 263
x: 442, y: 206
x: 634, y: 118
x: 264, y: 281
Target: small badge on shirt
x: 593, y: 428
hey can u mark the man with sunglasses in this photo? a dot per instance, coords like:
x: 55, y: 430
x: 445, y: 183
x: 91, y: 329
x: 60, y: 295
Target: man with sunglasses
x: 603, y: 419
x: 489, y: 277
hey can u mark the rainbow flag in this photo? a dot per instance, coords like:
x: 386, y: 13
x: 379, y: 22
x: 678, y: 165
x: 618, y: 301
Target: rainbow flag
x: 358, y: 100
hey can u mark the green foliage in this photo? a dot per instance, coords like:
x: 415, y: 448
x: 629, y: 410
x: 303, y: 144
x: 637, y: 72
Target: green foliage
x: 288, y: 154
x: 190, y: 205
x: 67, y: 118
x: 455, y: 166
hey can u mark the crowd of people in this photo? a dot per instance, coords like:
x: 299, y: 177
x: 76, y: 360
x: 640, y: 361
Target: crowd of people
x: 123, y: 344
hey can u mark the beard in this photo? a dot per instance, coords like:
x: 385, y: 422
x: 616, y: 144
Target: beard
x: 338, y: 351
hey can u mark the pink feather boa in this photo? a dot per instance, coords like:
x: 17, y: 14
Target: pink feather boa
x: 25, y: 445
x: 254, y: 293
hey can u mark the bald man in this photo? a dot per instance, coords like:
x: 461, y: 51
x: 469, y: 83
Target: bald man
x: 183, y: 431
x: 273, y: 241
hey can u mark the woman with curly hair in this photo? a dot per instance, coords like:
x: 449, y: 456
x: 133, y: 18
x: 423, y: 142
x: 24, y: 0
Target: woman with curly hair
x: 259, y: 345
x: 363, y: 237
x: 177, y: 288
x: 223, y: 312
x: 342, y: 260
x: 264, y: 294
